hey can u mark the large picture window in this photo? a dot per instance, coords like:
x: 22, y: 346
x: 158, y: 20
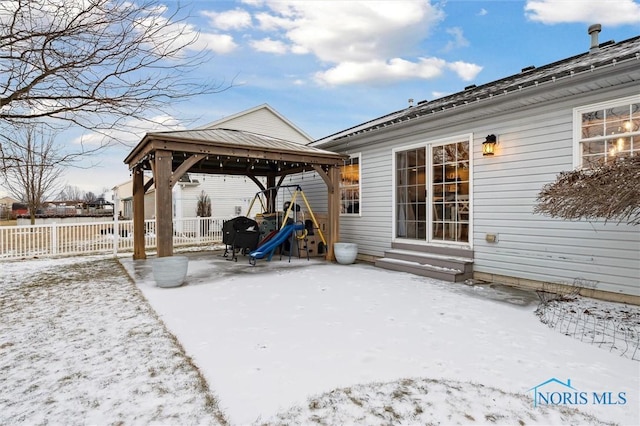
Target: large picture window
x: 350, y: 186
x: 606, y: 131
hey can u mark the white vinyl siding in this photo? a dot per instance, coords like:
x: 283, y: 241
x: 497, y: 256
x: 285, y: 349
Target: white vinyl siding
x: 531, y: 154
x: 264, y: 122
x: 229, y: 192
x: 534, y: 145
x: 226, y: 192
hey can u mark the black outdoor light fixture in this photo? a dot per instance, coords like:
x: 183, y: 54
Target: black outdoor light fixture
x: 489, y: 145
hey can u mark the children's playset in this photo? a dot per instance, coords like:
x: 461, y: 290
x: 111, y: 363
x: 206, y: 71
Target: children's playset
x: 292, y: 230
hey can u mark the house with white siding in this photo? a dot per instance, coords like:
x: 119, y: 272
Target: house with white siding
x: 123, y: 200
x: 447, y: 187
x: 232, y: 195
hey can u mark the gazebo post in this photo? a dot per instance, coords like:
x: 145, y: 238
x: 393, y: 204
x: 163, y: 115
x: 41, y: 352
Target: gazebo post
x: 138, y: 214
x: 271, y: 194
x: 164, y: 202
x: 333, y: 207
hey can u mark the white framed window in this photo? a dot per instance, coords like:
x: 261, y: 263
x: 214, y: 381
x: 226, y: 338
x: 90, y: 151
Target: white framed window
x: 605, y: 131
x: 350, y: 186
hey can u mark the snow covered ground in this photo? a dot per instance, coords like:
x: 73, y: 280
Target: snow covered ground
x: 288, y: 343
x: 80, y: 345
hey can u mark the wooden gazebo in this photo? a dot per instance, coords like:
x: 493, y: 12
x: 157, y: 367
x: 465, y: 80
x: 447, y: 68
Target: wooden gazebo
x: 169, y: 155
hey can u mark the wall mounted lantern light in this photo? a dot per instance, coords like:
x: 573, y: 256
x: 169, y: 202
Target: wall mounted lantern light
x: 489, y: 145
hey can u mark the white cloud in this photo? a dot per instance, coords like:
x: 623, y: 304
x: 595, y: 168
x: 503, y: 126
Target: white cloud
x: 172, y: 35
x: 299, y: 50
x: 458, y: 39
x: 356, y: 41
x: 253, y: 2
x: 378, y: 71
x: 269, y: 46
x: 465, y: 70
x: 438, y: 95
x: 218, y: 43
x: 136, y: 129
x: 618, y: 12
x: 355, y: 31
x: 483, y: 12
x: 229, y: 20
x: 362, y: 41
x: 269, y: 22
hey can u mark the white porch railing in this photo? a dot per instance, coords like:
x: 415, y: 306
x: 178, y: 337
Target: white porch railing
x: 17, y: 242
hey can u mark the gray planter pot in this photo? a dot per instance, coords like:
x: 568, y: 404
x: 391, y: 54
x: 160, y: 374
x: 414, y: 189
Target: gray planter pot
x: 345, y: 253
x: 170, y: 271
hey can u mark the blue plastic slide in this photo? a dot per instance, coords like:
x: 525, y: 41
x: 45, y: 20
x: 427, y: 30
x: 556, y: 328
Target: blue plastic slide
x: 270, y: 246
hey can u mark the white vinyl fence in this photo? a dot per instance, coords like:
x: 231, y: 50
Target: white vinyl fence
x: 110, y: 237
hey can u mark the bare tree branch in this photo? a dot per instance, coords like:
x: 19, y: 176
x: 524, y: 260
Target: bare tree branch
x: 610, y: 192
x: 91, y: 63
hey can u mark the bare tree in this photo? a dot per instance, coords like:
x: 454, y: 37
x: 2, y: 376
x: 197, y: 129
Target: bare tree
x: 93, y: 63
x: 90, y: 197
x: 35, y: 175
x: 203, y: 205
x: 610, y: 192
x: 71, y: 193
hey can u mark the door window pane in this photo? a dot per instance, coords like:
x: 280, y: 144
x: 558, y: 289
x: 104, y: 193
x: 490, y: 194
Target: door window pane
x: 411, y: 194
x: 450, y: 192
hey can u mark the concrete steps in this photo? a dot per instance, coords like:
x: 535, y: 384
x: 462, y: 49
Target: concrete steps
x: 442, y: 263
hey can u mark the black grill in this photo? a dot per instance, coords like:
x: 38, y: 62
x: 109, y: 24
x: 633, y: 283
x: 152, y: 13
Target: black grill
x: 240, y: 234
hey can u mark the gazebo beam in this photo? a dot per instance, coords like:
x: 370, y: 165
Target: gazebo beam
x: 225, y: 151
x: 325, y: 177
x: 184, y: 168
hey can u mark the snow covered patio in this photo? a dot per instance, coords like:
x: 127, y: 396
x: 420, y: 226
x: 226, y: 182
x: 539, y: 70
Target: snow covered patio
x: 270, y: 337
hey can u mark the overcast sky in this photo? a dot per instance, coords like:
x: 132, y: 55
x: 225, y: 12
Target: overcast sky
x: 330, y: 65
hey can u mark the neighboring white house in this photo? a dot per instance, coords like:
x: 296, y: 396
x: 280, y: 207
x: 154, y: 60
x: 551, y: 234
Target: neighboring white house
x: 262, y: 120
x: 418, y: 191
x: 230, y: 195
x: 123, y: 200
x: 6, y: 204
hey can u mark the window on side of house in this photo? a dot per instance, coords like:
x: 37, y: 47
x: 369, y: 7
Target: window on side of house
x: 606, y: 131
x: 350, y: 186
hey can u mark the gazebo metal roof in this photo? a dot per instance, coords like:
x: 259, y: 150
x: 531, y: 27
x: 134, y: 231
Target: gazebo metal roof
x: 234, y: 152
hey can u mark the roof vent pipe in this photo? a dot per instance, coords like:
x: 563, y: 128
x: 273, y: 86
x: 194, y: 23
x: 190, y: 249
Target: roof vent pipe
x: 593, y: 31
x: 410, y: 102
